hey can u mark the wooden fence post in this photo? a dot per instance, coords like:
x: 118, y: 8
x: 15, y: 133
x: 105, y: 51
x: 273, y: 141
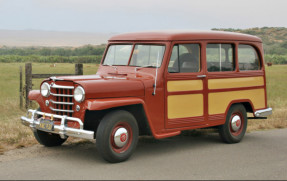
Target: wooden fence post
x: 28, y: 82
x: 79, y: 69
x: 21, y: 88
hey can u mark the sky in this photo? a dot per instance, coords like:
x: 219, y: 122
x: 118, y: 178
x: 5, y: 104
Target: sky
x: 119, y: 16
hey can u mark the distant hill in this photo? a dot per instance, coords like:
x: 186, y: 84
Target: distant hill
x: 274, y: 38
x: 24, y: 38
x: 31, y: 45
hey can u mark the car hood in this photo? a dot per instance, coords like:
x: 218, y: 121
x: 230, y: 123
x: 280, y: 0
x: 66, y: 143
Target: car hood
x: 108, y: 86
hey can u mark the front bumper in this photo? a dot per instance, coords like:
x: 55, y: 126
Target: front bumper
x: 263, y: 112
x: 61, y: 129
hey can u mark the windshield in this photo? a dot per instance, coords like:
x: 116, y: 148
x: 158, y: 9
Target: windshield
x: 147, y: 55
x: 142, y: 55
x: 118, y: 55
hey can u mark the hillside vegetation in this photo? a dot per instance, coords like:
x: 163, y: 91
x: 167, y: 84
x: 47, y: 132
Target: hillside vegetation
x: 84, y: 54
x: 274, y: 42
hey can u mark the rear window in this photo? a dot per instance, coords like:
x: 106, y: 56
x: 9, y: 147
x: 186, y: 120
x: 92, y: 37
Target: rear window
x: 248, y: 58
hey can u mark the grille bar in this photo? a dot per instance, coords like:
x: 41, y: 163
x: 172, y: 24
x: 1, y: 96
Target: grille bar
x: 61, y: 95
x: 61, y: 110
x: 65, y: 103
x: 62, y: 98
x: 55, y: 86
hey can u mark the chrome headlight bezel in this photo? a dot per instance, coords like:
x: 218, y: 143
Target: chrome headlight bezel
x: 45, y: 89
x: 79, y: 94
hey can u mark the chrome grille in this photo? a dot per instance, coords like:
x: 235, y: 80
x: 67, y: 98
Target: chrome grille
x: 62, y: 99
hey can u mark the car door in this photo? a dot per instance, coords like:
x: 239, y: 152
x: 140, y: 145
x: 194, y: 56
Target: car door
x: 186, y: 86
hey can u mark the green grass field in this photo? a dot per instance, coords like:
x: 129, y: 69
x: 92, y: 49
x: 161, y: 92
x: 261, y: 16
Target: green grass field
x: 13, y: 134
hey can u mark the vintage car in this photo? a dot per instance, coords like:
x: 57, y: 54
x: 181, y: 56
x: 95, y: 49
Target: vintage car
x: 159, y: 84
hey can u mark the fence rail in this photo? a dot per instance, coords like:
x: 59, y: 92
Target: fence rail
x: 37, y: 76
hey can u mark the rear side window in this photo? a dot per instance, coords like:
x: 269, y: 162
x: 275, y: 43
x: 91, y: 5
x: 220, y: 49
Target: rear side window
x: 248, y: 58
x: 220, y: 57
x: 185, y: 58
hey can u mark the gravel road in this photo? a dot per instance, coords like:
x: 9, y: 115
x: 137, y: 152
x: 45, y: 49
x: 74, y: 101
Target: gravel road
x: 261, y: 155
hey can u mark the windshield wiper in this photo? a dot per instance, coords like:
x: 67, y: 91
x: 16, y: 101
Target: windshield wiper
x: 116, y: 68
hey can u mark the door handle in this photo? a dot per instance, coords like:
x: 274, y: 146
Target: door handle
x: 201, y: 76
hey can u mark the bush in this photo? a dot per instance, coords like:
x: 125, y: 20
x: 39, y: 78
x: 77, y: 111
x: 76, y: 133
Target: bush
x: 48, y: 51
x: 276, y: 59
x: 51, y: 59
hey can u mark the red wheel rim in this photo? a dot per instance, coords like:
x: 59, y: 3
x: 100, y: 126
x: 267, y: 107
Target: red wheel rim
x: 240, y: 123
x: 129, y: 137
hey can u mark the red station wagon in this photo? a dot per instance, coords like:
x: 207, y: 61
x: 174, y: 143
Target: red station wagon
x: 159, y: 84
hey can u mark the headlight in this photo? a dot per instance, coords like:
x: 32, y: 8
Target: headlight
x: 45, y: 89
x: 79, y: 94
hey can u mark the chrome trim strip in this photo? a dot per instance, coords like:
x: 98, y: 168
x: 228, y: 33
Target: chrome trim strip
x: 55, y: 78
x: 61, y: 95
x: 61, y: 86
x: 263, y: 112
x: 61, y: 110
x: 63, y: 130
x: 64, y: 103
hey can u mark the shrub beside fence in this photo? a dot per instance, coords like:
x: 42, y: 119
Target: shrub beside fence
x: 51, y: 59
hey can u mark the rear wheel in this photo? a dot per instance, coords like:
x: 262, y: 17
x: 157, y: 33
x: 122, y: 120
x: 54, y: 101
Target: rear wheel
x: 235, y: 125
x: 117, y: 136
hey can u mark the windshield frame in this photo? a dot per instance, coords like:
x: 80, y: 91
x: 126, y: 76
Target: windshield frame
x: 131, y: 54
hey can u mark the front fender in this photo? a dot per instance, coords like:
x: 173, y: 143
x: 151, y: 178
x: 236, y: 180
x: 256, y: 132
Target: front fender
x: 34, y: 95
x: 101, y: 104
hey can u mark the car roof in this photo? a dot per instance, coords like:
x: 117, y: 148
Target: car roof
x: 183, y: 35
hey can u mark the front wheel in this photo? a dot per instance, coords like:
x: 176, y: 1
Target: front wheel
x: 117, y: 136
x: 235, y: 124
x: 48, y: 139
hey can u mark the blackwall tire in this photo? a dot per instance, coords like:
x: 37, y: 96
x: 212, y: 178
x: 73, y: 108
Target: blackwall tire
x: 117, y: 136
x: 235, y: 125
x: 48, y: 139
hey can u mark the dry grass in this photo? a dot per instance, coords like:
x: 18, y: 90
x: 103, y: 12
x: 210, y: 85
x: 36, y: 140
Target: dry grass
x: 14, y: 135
x: 277, y: 120
x: 277, y: 99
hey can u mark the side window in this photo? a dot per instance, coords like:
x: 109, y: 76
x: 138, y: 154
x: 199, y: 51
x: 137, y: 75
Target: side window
x: 248, y: 58
x: 220, y: 57
x: 185, y: 58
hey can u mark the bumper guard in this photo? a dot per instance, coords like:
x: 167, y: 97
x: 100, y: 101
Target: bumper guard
x: 263, y: 112
x: 61, y: 129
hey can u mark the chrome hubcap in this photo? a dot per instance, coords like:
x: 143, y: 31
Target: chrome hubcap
x: 121, y: 137
x: 235, y: 123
